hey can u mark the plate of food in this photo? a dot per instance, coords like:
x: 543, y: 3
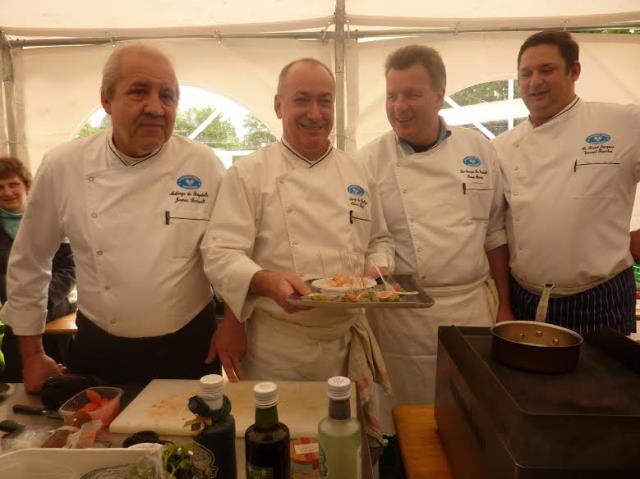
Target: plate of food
x: 340, y: 283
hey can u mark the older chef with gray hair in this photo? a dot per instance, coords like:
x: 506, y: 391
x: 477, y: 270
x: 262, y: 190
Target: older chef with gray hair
x: 134, y: 203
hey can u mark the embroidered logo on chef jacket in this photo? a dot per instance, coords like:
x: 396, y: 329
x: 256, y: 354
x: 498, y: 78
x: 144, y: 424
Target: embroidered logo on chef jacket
x: 191, y: 184
x: 473, y: 168
x: 357, y: 194
x: 596, y: 143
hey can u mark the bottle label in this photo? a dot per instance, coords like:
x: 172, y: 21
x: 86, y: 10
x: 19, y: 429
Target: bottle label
x: 350, y: 469
x: 255, y: 472
x: 204, y: 462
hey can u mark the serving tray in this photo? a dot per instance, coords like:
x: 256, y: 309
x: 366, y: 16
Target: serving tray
x: 404, y: 281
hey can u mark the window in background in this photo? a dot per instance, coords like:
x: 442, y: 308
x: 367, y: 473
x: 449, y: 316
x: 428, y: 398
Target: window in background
x: 231, y: 130
x: 491, y: 108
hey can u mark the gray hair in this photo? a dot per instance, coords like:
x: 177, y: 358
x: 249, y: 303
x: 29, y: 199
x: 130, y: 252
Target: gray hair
x: 111, y: 69
x: 428, y: 57
x: 310, y: 61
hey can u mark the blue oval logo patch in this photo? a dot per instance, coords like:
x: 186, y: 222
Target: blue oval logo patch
x: 597, y: 138
x: 355, y: 190
x: 472, y: 161
x: 189, y: 182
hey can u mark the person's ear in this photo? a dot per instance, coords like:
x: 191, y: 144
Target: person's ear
x: 277, y: 106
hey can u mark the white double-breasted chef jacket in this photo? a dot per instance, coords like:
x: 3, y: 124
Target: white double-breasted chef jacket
x: 276, y: 211
x: 135, y: 232
x: 570, y: 186
x: 445, y: 209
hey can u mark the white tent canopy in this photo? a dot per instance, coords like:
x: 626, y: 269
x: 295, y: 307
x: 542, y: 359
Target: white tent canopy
x: 53, y: 52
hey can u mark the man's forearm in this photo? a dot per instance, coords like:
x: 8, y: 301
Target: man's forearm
x: 30, y: 346
x: 499, y: 267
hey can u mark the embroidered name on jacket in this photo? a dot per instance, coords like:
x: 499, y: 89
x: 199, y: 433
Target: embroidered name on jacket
x: 597, y: 143
x: 189, y: 184
x: 356, y: 196
x: 472, y: 168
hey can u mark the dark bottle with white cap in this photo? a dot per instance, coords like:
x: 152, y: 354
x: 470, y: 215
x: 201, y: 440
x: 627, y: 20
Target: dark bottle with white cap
x: 266, y: 443
x: 214, y: 448
x: 340, y: 435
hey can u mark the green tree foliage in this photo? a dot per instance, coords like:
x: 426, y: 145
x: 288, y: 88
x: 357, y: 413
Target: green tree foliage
x: 257, y: 134
x: 220, y: 133
x: 485, y: 92
x: 88, y: 130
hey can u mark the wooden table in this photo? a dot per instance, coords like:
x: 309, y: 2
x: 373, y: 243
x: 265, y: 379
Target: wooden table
x: 420, y: 445
x: 62, y: 325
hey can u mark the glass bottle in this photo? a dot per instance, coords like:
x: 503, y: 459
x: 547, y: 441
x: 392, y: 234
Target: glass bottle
x: 214, y: 449
x: 266, y: 442
x: 340, y: 435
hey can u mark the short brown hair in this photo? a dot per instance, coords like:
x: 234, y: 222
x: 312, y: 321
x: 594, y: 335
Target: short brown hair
x: 567, y: 46
x: 312, y: 61
x: 428, y: 57
x: 10, y: 167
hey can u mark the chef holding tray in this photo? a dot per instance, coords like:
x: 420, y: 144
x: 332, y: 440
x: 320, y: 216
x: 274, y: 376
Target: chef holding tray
x: 284, y: 214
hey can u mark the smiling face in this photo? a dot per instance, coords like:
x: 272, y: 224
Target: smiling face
x: 412, y: 105
x: 546, y: 84
x: 143, y: 104
x: 305, y: 106
x: 13, y: 194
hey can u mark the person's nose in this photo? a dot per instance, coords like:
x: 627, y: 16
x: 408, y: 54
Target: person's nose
x: 399, y: 105
x: 313, y: 111
x: 153, y: 106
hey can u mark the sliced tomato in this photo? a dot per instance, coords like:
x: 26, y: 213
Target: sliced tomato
x: 90, y: 406
x: 93, y: 396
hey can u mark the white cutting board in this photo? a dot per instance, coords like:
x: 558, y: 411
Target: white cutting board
x: 162, y: 407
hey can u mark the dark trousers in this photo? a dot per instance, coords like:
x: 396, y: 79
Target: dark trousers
x: 119, y: 360
x: 610, y: 304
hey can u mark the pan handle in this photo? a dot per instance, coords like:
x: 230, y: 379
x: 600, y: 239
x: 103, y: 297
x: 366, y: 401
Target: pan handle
x: 543, y: 304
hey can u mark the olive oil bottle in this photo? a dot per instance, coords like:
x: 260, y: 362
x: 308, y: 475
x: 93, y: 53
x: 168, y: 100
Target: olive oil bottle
x: 214, y: 430
x: 266, y: 442
x: 340, y: 435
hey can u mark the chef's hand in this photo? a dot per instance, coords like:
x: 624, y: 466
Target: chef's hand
x: 37, y: 367
x: 504, y: 313
x: 374, y: 272
x: 279, y: 286
x: 229, y: 343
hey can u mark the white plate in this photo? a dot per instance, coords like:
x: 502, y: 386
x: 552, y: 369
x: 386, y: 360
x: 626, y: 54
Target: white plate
x: 325, y: 284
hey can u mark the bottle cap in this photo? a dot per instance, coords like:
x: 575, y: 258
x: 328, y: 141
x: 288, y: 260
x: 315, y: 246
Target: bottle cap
x: 211, y: 386
x: 339, y: 388
x: 266, y: 395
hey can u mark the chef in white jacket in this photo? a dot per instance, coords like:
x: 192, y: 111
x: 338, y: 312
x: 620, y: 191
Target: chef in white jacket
x: 295, y: 210
x: 443, y: 203
x: 570, y: 172
x: 134, y: 203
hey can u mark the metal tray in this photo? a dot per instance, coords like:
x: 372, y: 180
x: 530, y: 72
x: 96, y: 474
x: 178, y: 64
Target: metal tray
x: 405, y: 281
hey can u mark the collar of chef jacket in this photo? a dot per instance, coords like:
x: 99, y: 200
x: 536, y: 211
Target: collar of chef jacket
x: 442, y: 135
x: 571, y: 104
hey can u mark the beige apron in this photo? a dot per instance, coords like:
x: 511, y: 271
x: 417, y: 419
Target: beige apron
x: 409, y: 338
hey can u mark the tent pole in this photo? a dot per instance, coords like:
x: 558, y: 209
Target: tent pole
x: 7, y: 92
x: 340, y: 16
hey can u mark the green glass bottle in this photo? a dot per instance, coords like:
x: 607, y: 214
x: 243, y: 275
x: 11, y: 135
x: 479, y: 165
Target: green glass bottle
x: 340, y: 435
x: 266, y: 443
x: 214, y: 446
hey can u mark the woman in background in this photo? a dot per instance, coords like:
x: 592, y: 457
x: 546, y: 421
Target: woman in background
x: 15, y: 181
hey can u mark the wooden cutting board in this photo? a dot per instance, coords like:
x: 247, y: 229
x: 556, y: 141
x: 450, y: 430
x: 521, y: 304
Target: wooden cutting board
x: 162, y: 407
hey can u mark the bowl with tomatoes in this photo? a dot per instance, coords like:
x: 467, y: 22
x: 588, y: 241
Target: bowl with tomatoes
x: 99, y: 402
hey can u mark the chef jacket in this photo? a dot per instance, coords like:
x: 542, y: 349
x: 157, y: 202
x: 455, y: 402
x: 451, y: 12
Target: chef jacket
x: 279, y: 212
x: 570, y: 185
x: 135, y: 233
x: 445, y: 209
